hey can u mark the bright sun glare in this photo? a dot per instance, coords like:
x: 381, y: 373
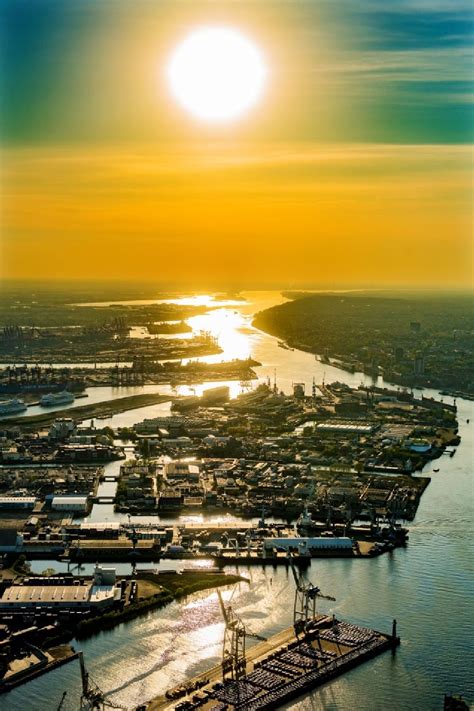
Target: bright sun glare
x: 216, y: 73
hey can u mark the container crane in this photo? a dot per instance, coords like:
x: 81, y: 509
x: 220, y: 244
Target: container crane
x: 306, y: 594
x: 233, y: 650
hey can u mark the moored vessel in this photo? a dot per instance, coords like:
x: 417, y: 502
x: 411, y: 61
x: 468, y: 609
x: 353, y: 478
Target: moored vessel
x: 61, y: 398
x: 12, y: 407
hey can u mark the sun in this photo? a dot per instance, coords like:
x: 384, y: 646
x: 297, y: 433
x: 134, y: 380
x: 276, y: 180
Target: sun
x: 217, y: 74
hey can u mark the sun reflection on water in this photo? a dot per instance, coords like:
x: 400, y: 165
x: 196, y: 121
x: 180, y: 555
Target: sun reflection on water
x: 224, y: 325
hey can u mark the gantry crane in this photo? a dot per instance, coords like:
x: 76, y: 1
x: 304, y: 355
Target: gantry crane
x: 234, y: 662
x: 306, y: 594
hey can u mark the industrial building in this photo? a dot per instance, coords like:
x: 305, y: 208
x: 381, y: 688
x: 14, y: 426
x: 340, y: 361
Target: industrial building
x: 76, y: 504
x: 17, y: 502
x: 61, y: 593
x: 351, y: 426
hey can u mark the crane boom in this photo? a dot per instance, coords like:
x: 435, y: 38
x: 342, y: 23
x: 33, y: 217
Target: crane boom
x: 305, y: 599
x: 256, y: 636
x: 295, y: 573
x: 326, y: 597
x: 223, y: 610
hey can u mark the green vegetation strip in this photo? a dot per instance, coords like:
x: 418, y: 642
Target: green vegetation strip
x: 171, y: 587
x: 85, y: 412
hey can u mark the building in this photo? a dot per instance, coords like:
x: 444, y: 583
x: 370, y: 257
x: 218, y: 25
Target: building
x: 10, y: 540
x: 62, y: 428
x: 17, y: 502
x: 78, y: 504
x: 298, y: 390
x: 106, y: 529
x: 419, y: 365
x: 348, y: 427
x: 172, y: 424
x: 182, y: 471
x: 58, y: 593
x: 170, y: 499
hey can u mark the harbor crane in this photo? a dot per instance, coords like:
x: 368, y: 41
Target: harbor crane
x: 306, y: 594
x: 234, y: 662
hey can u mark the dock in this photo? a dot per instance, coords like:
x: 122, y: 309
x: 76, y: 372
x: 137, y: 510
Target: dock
x: 281, y: 668
x: 38, y: 662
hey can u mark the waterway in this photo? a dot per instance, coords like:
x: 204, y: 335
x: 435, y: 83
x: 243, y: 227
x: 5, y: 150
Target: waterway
x: 427, y: 586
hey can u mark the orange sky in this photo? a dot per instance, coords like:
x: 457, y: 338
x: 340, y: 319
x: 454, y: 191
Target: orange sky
x: 295, y: 213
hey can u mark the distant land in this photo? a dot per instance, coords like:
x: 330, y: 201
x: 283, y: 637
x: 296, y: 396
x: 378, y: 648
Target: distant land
x: 424, y: 340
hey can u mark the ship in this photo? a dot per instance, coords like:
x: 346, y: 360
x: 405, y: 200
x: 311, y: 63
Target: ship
x: 12, y: 407
x: 61, y: 398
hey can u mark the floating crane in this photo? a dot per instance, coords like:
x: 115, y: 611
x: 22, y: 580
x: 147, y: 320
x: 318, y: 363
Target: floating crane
x: 306, y: 594
x: 234, y: 663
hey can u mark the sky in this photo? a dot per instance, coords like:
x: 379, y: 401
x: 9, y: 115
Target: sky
x: 355, y: 168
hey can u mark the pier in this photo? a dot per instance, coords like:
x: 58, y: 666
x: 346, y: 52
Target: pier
x: 313, y: 651
x: 281, y: 668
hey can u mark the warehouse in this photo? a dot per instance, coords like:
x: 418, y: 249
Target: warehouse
x: 63, y: 593
x: 77, y: 504
x: 17, y: 502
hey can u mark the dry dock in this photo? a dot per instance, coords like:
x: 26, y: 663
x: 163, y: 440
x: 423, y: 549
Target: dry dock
x: 281, y: 668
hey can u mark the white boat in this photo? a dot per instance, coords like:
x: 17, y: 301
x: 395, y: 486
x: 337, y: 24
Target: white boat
x: 62, y: 398
x: 11, y: 407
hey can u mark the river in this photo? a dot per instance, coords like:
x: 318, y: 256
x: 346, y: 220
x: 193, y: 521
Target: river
x: 427, y: 586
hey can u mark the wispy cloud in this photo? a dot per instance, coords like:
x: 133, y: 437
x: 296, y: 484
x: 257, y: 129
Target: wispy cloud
x: 427, y: 65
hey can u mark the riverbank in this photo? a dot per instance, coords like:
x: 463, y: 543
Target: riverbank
x: 155, y: 590
x: 38, y: 663
x: 408, y: 340
x: 86, y: 412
